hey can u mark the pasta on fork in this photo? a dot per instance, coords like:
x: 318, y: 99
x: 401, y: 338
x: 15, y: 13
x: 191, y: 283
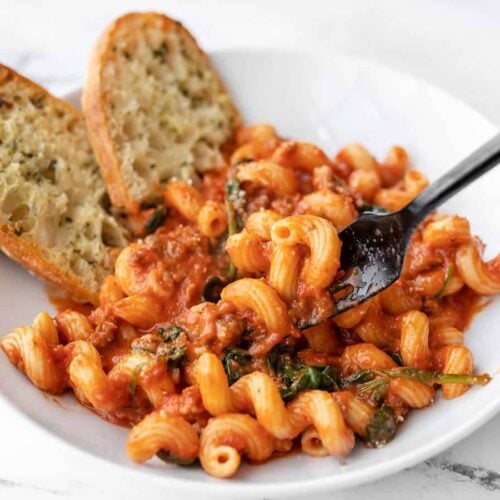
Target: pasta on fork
x: 199, y: 343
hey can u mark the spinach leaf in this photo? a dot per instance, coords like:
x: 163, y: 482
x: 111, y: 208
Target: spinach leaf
x: 235, y: 203
x: 155, y: 221
x: 168, y: 457
x: 174, y: 349
x: 294, y: 376
x: 170, y: 333
x: 382, y: 427
x: 236, y: 363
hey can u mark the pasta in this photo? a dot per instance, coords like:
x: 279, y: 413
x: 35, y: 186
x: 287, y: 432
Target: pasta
x: 225, y: 438
x: 320, y: 237
x: 248, y: 252
x: 213, y: 339
x: 269, y: 175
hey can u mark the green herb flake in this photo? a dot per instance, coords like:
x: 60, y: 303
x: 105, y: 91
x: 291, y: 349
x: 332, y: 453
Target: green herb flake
x: 170, y: 333
x: 236, y: 363
x: 424, y: 376
x: 132, y: 386
x: 168, y: 457
x: 155, y: 221
x: 377, y: 389
x: 235, y: 203
x: 174, y: 348
x: 161, y: 52
x: 382, y: 427
x: 447, y: 280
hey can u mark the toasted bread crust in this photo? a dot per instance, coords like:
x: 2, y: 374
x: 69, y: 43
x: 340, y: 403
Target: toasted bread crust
x: 97, y: 120
x: 93, y: 104
x: 7, y: 74
x: 30, y: 257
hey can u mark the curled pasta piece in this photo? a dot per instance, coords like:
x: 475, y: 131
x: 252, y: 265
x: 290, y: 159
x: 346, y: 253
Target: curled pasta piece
x: 28, y: 348
x: 160, y: 431
x: 320, y: 236
x: 212, y: 219
x: 352, y: 317
x: 254, y: 150
x: 284, y: 270
x: 477, y: 274
x: 356, y: 157
x: 395, y: 199
x: 397, y: 299
x: 429, y: 283
x: 457, y: 359
x: 90, y: 383
x: 257, y: 295
x: 110, y: 291
x: 415, y: 182
x: 261, y: 132
x: 413, y: 393
x: 210, y: 216
x: 140, y: 269
x: 337, y: 208
x: 323, y: 178
x: 414, y: 346
x: 139, y: 310
x: 260, y: 223
x: 392, y: 170
x: 146, y: 372
x: 445, y: 335
x: 212, y: 381
x: 373, y: 328
x: 269, y: 175
x: 364, y: 356
x: 357, y: 412
x: 44, y: 324
x: 454, y: 284
x: 322, y: 337
x: 248, y: 252
x: 73, y: 325
x: 227, y: 437
x: 311, y: 443
x: 186, y: 199
x: 321, y: 410
x: 453, y: 230
x: 258, y: 393
x: 365, y: 182
x: 300, y: 155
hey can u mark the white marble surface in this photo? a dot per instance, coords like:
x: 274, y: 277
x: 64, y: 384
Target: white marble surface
x: 451, y: 43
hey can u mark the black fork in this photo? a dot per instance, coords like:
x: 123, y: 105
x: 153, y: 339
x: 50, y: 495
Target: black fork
x: 374, y: 246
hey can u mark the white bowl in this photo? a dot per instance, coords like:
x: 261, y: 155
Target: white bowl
x: 328, y: 100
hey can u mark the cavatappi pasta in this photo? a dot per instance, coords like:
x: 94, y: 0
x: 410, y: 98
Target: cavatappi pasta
x: 202, y: 342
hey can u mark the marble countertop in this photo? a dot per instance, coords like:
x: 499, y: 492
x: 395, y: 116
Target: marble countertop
x: 450, y: 43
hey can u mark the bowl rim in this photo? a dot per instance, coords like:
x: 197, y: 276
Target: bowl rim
x: 333, y: 482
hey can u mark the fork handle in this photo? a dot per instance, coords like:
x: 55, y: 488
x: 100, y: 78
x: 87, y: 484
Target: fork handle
x: 467, y: 171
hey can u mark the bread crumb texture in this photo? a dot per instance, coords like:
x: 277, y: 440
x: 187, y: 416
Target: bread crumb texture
x: 168, y: 112
x: 51, y: 191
